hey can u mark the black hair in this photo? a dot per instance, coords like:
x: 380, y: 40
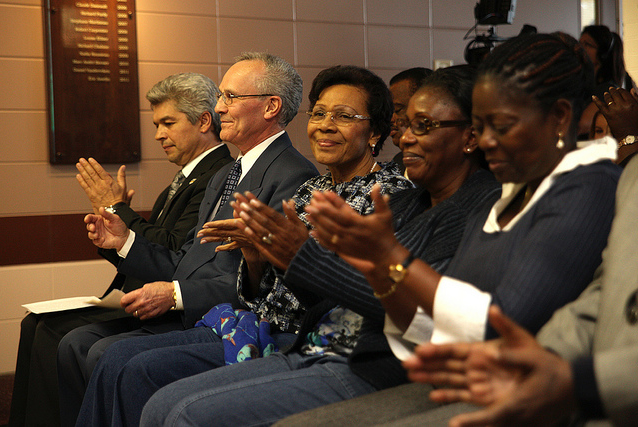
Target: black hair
x: 414, y: 75
x: 378, y: 103
x: 457, y: 81
x: 609, y: 53
x: 546, y: 66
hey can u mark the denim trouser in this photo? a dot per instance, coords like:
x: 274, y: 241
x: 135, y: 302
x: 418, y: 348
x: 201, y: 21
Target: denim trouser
x: 131, y: 370
x: 255, y: 393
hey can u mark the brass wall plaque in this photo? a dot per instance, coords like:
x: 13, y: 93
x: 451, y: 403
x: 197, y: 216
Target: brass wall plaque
x: 92, y: 80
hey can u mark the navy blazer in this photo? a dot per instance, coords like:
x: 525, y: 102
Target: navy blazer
x: 180, y: 216
x: 208, y: 278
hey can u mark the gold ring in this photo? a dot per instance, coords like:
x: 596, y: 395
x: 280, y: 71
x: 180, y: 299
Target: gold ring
x: 229, y: 240
x: 268, y: 239
x: 135, y: 313
x: 609, y: 103
x: 334, y: 239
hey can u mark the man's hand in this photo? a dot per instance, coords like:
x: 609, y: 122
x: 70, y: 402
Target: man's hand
x: 518, y: 381
x: 100, y: 187
x: 106, y: 230
x: 152, y: 300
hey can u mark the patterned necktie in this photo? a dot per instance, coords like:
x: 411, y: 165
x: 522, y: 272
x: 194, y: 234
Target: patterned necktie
x: 231, y: 182
x: 177, y: 181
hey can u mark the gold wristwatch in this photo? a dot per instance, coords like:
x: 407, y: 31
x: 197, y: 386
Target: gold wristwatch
x: 628, y: 140
x: 396, y: 273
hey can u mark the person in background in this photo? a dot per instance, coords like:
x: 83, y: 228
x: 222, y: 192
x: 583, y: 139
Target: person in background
x: 620, y: 108
x: 605, y: 50
x: 599, y: 126
x: 402, y: 87
x: 188, y: 130
x: 259, y: 95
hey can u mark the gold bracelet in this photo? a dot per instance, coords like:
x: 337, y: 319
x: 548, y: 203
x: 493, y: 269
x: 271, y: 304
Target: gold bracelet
x: 387, y: 293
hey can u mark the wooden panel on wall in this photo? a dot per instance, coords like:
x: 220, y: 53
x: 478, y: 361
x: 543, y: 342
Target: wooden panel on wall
x: 46, y: 238
x: 92, y: 80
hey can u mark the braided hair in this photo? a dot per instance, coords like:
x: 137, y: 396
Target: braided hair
x: 548, y: 67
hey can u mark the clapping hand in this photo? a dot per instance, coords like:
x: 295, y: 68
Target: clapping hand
x: 106, y: 230
x: 100, y: 187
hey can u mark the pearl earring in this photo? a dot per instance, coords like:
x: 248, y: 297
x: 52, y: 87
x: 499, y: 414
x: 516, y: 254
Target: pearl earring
x: 560, y: 144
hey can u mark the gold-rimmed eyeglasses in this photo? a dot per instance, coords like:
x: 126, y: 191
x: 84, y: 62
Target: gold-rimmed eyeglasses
x: 228, y: 97
x: 422, y: 125
x: 339, y: 118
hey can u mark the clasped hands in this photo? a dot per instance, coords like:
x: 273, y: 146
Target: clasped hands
x: 516, y: 380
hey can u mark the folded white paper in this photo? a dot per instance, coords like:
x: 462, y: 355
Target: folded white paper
x: 112, y: 300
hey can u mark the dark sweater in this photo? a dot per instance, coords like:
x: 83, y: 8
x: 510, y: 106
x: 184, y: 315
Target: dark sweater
x: 322, y: 280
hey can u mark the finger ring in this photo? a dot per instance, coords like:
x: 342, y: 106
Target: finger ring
x: 229, y: 240
x: 334, y: 239
x: 135, y: 313
x: 268, y: 239
x: 609, y: 103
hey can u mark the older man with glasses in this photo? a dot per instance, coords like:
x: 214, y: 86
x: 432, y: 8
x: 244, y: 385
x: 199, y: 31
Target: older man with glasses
x: 260, y: 95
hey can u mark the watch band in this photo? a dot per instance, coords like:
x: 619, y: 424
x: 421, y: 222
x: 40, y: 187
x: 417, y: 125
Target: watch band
x: 396, y: 274
x: 628, y: 140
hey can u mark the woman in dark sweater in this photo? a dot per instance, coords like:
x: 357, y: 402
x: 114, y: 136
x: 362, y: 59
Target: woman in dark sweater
x: 341, y: 351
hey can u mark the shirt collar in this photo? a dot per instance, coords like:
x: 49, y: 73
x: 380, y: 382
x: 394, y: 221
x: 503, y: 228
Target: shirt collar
x: 190, y: 166
x: 587, y: 153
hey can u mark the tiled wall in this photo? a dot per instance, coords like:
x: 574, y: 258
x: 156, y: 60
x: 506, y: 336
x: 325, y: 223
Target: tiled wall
x: 203, y: 36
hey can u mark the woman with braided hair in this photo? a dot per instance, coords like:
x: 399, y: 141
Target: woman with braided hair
x: 530, y: 253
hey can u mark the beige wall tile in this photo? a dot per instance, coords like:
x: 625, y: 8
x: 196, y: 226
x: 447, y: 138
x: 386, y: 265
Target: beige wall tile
x: 330, y: 11
x: 10, y: 333
x: 272, y: 9
x: 23, y: 2
x: 26, y: 138
x: 454, y: 14
x: 24, y: 179
x: 307, y: 75
x: 23, y: 284
x: 202, y: 7
x: 22, y: 84
x: 448, y: 44
x: 242, y: 35
x: 17, y: 37
x: 76, y: 279
x: 399, y: 48
x: 151, y: 149
x: 403, y: 13
x: 177, y: 38
x: 324, y: 45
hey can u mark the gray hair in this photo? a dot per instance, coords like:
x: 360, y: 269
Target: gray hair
x: 280, y: 79
x: 193, y: 94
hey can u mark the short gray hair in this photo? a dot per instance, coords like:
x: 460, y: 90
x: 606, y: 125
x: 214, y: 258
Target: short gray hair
x: 280, y: 79
x: 193, y: 94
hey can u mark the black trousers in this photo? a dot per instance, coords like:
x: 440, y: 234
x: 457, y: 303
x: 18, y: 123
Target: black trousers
x: 35, y: 400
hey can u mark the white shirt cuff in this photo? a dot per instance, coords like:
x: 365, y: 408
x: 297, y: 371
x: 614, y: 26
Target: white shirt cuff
x: 459, y: 312
x: 127, y: 245
x: 178, y: 295
x: 402, y: 343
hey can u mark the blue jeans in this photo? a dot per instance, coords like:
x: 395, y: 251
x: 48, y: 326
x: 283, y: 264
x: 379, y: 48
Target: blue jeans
x: 131, y: 370
x: 255, y: 393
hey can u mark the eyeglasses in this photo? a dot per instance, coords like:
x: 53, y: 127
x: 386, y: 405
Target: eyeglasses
x: 228, y: 97
x: 422, y: 126
x: 339, y: 118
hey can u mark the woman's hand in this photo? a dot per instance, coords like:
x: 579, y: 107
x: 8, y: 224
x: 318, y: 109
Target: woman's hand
x: 228, y: 231
x: 362, y: 241
x: 620, y: 108
x: 275, y: 236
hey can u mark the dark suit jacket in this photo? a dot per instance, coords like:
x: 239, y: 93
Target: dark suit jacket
x: 171, y: 228
x: 207, y: 278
